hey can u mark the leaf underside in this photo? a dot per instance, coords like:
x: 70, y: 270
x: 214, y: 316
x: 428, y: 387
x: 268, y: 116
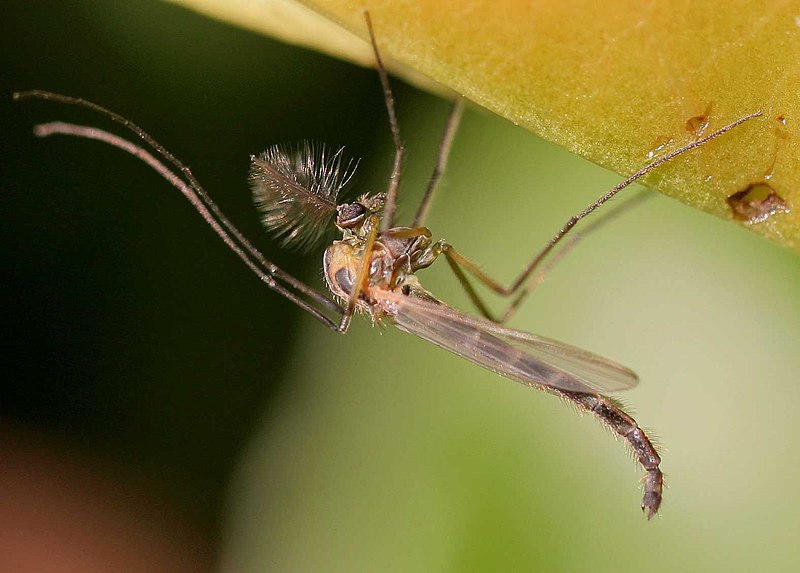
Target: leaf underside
x: 618, y: 82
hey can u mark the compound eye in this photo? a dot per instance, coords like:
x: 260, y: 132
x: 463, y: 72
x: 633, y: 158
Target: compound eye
x: 344, y: 280
x: 350, y: 215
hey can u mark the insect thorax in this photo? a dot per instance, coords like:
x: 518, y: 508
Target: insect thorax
x: 395, y: 255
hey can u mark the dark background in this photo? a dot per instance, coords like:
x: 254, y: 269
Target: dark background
x: 110, y: 289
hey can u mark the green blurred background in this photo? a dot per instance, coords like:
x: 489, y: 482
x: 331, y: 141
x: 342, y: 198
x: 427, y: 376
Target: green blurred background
x: 138, y: 346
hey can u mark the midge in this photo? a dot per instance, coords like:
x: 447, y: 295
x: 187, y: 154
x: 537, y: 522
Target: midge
x: 372, y: 267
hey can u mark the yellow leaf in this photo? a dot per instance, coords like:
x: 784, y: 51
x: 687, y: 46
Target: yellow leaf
x: 618, y: 82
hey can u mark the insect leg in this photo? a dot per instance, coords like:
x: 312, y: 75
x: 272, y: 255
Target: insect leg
x: 390, y: 205
x: 362, y: 281
x: 527, y: 278
x: 459, y: 263
x: 196, y: 188
x: 572, y: 221
x: 451, y: 127
x: 269, y: 273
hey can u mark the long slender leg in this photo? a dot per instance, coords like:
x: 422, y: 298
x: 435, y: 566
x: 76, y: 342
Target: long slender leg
x: 268, y: 267
x: 252, y: 258
x: 362, y: 281
x: 475, y: 298
x: 390, y: 205
x: 565, y: 248
x: 456, y: 258
x: 451, y: 127
x: 266, y: 274
x: 626, y: 427
x: 612, y: 192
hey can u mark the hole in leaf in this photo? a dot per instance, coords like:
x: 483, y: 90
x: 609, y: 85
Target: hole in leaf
x: 756, y: 203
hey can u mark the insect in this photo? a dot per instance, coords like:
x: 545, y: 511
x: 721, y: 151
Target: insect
x: 372, y: 267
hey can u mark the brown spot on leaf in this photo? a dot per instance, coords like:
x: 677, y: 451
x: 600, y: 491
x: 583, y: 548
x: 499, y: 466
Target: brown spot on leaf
x: 697, y: 125
x: 756, y: 203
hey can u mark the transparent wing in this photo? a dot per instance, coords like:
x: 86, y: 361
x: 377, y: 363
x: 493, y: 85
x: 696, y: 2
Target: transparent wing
x: 529, y: 359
